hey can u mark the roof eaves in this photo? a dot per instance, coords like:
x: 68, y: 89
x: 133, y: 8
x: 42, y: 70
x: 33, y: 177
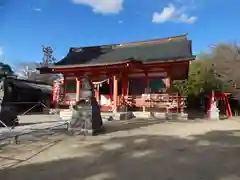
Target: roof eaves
x: 94, y: 65
x: 171, y: 60
x: 122, y: 62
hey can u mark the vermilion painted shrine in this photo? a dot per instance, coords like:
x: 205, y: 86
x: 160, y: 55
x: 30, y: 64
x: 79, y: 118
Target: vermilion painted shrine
x: 126, y: 73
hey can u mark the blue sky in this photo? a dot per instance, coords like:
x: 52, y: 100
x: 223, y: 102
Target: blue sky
x: 26, y: 25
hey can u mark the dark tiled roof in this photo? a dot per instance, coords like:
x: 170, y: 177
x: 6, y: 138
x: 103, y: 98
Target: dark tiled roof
x: 146, y: 52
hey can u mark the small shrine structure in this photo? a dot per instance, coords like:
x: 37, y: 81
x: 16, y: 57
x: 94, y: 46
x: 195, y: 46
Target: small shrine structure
x: 124, y: 73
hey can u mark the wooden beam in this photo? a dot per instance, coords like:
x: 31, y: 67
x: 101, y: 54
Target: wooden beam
x: 92, y: 68
x: 148, y: 74
x: 125, y: 65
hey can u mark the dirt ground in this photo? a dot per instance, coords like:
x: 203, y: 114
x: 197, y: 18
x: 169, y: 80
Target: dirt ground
x: 136, y: 149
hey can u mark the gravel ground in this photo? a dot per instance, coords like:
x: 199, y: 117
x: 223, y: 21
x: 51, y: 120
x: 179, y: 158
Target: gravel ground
x: 32, y: 123
x: 136, y: 149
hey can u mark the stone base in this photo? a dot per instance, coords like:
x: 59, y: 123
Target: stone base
x: 122, y: 115
x: 162, y: 115
x: 106, y: 116
x: 139, y: 114
x: 177, y: 116
x: 66, y: 114
x: 86, y: 132
x: 213, y: 114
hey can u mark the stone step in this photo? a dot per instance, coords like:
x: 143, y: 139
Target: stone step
x: 177, y: 116
x: 139, y: 114
x: 67, y: 115
x: 162, y: 115
x: 107, y: 116
x: 122, y: 115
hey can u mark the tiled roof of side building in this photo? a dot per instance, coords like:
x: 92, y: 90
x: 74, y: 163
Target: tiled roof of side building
x: 159, y: 50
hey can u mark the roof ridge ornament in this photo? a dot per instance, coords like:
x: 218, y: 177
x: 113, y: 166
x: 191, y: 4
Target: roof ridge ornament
x: 79, y: 50
x: 76, y: 49
x: 152, y: 41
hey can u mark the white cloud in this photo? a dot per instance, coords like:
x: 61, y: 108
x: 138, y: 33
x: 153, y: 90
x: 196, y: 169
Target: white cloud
x: 172, y: 13
x: 1, y: 51
x: 37, y: 9
x: 102, y: 6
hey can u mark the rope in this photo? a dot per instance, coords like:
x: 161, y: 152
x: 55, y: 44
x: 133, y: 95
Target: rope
x: 99, y: 82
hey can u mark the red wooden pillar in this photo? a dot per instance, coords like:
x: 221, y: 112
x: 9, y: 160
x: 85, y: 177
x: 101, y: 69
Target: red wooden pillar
x: 224, y: 100
x: 110, y: 82
x: 55, y: 96
x: 228, y: 106
x: 64, y: 85
x: 78, y: 83
x: 115, y: 93
x: 168, y: 82
x: 147, y: 81
x: 124, y: 97
x: 124, y: 85
x: 97, y: 94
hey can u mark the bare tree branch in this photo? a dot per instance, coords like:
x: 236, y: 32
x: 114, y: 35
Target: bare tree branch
x: 226, y: 62
x: 28, y: 71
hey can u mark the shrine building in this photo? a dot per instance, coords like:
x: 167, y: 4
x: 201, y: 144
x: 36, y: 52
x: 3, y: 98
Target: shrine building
x: 120, y: 72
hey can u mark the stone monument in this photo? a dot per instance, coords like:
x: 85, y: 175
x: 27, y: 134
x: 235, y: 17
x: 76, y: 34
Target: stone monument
x: 214, y: 111
x: 86, y: 115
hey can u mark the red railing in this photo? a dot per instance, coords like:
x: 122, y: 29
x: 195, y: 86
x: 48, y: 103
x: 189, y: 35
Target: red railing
x: 157, y: 102
x: 149, y: 102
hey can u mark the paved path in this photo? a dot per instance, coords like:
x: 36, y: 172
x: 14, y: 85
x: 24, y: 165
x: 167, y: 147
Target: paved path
x: 32, y: 123
x: 136, y: 149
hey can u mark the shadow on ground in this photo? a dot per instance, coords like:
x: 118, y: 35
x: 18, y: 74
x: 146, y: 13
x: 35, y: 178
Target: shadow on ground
x: 127, y: 125
x: 194, y: 114
x: 211, y: 156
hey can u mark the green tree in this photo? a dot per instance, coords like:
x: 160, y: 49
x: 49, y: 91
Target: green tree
x: 226, y: 63
x: 201, y: 78
x: 5, y: 69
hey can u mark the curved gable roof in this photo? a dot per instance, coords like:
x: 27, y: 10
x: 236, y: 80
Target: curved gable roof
x: 159, y: 50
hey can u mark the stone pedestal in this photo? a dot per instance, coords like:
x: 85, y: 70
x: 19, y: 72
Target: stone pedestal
x: 122, y: 116
x: 86, y: 117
